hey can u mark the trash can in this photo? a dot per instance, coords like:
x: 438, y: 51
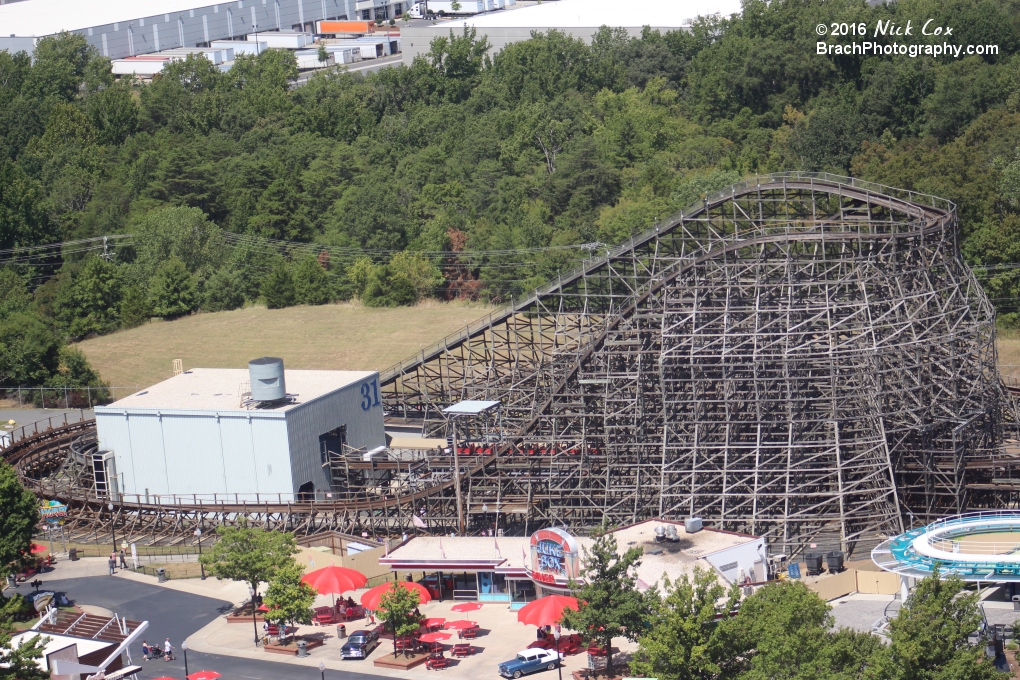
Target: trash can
x: 161, y: 575
x: 73, y: 554
x: 341, y: 632
x: 302, y: 648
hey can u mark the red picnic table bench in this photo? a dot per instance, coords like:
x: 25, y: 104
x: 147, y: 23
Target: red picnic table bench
x: 463, y: 650
x: 436, y: 661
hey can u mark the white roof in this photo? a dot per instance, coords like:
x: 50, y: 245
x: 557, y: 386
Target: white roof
x: 46, y: 17
x: 219, y: 389
x: 594, y: 13
x: 470, y: 407
x: 52, y: 642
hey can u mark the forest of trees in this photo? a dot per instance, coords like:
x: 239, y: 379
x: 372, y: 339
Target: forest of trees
x: 237, y: 188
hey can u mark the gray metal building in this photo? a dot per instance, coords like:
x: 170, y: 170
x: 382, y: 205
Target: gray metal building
x: 124, y: 28
x: 200, y: 434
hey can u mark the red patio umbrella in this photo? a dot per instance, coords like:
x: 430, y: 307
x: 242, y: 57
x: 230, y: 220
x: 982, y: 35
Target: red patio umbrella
x: 370, y: 598
x: 165, y: 677
x: 460, y: 624
x: 434, y: 638
x: 36, y: 548
x: 546, y: 611
x: 204, y: 675
x: 434, y: 622
x: 466, y: 607
x: 334, y: 580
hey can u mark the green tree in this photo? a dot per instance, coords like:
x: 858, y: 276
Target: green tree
x: 249, y: 554
x: 312, y: 285
x: 386, y: 288
x: 358, y: 274
x: 683, y: 640
x: 278, y: 288
x: 421, y: 273
x: 928, y: 637
x: 223, y: 291
x: 76, y: 371
x: 322, y: 54
x: 177, y: 232
x: 29, y: 350
x: 288, y: 598
x: 135, y: 307
x: 396, y: 609
x: 20, y: 663
x: 91, y: 304
x: 173, y: 290
x: 609, y: 604
x: 19, y: 515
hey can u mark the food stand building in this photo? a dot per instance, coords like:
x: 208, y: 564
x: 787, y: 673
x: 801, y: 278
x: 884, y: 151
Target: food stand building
x: 517, y: 570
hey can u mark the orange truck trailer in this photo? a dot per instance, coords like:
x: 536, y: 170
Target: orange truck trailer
x: 327, y: 27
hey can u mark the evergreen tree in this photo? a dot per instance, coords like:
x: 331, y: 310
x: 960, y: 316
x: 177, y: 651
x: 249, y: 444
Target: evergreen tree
x: 135, y: 308
x: 90, y: 305
x: 278, y: 288
x: 312, y: 285
x: 173, y: 290
x: 223, y: 291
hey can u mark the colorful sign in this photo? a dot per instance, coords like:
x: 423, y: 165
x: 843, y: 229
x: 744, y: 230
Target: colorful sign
x: 554, y: 559
x: 53, y: 511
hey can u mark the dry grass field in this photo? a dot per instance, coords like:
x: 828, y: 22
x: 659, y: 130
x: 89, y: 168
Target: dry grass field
x: 342, y: 336
x: 1008, y: 343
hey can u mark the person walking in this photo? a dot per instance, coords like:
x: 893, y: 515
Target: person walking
x: 123, y: 560
x: 168, y: 651
x: 113, y: 563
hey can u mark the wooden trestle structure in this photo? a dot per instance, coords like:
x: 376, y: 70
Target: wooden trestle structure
x: 800, y: 355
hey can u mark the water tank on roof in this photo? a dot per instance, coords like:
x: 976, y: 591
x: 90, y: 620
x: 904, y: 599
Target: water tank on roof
x: 266, y: 376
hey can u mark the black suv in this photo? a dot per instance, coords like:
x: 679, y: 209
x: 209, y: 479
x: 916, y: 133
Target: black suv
x: 360, y: 644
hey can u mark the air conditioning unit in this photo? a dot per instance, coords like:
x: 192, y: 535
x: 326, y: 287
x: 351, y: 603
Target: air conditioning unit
x: 692, y: 525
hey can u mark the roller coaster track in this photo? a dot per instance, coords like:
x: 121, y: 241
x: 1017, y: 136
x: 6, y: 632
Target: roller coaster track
x: 539, y: 357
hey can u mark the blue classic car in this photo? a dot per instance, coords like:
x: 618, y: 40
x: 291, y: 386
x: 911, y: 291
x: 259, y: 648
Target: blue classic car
x: 529, y: 661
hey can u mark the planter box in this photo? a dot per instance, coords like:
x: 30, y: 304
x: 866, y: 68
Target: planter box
x: 401, y: 662
x: 291, y: 647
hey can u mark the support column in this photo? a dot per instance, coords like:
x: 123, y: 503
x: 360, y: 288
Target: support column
x: 904, y: 587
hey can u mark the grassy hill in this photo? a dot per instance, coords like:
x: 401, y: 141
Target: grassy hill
x: 343, y: 336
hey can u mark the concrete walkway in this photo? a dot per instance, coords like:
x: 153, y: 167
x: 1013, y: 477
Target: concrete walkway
x: 502, y: 636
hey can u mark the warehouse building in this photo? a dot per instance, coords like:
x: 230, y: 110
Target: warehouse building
x: 124, y: 28
x: 226, y: 434
x: 578, y: 18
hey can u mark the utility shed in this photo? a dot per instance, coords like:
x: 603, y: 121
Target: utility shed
x: 201, y: 435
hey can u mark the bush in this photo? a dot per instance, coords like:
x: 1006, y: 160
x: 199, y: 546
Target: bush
x: 173, y: 290
x: 312, y: 285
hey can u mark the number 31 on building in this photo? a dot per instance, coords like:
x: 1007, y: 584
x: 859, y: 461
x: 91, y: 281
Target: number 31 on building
x: 369, y: 395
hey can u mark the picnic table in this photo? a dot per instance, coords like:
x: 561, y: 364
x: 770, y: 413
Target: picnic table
x: 463, y: 650
x: 436, y: 660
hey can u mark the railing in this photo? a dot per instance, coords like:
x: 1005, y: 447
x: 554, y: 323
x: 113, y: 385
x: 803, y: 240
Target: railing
x: 40, y: 426
x: 65, y: 397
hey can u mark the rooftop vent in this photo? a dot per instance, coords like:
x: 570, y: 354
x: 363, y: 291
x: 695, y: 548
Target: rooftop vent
x: 671, y: 534
x: 660, y: 533
x: 267, y: 383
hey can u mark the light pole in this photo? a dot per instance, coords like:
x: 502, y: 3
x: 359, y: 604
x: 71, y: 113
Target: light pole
x: 184, y: 648
x: 113, y: 527
x: 254, y: 623
x: 322, y: 669
x: 559, y: 660
x: 198, y: 534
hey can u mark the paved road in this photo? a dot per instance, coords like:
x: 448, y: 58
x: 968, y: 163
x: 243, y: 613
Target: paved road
x: 177, y: 615
x: 366, y: 66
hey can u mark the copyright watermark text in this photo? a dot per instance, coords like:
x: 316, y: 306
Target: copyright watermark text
x: 865, y: 40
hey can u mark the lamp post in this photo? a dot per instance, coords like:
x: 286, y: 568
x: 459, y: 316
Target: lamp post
x: 254, y: 623
x: 184, y: 648
x: 113, y: 527
x: 198, y: 534
x: 559, y: 661
x: 322, y: 669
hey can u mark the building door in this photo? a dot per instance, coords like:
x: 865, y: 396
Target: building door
x: 331, y: 450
